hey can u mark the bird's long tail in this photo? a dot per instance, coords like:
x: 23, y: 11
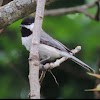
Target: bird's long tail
x: 76, y: 60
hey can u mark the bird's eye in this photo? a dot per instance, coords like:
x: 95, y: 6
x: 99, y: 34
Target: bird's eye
x: 29, y: 24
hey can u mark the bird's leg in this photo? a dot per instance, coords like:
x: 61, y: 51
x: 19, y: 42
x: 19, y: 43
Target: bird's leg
x: 42, y: 62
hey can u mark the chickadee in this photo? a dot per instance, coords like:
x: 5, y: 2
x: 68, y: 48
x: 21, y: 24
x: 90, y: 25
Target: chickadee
x: 49, y: 47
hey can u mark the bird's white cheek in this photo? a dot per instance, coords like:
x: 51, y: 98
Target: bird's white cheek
x: 26, y: 41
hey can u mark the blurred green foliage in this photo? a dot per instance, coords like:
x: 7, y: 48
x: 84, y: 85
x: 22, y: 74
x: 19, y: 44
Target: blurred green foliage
x: 72, y: 30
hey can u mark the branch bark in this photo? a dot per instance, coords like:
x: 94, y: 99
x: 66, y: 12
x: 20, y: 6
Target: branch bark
x: 1, y: 1
x: 16, y: 10
x: 62, y: 11
x: 34, y: 52
x: 57, y: 63
x: 78, y: 9
x: 61, y: 60
x: 1, y: 30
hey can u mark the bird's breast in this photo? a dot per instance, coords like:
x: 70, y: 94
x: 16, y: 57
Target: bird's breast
x: 44, y: 50
x: 48, y: 51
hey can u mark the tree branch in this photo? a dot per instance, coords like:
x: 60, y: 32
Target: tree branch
x: 78, y: 9
x: 57, y: 63
x: 1, y: 30
x: 1, y: 1
x: 16, y: 10
x: 34, y: 52
x: 62, y: 11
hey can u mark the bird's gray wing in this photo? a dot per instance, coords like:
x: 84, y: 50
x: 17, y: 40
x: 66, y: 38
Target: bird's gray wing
x: 47, y: 39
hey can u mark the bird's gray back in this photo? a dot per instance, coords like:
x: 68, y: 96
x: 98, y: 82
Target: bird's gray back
x: 47, y: 39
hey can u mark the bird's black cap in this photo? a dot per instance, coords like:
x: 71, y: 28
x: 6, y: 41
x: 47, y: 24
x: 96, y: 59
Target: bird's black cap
x: 28, y: 21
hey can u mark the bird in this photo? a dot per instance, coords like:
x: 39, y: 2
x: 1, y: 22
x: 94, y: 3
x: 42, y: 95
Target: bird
x: 50, y: 49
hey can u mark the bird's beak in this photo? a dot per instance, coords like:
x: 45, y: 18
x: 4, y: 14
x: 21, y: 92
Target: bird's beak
x: 21, y: 25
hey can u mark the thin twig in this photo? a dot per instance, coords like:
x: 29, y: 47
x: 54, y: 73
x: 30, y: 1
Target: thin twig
x: 54, y: 77
x: 57, y: 63
x: 42, y: 76
x: 1, y: 30
x: 61, y: 60
x: 97, y: 93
